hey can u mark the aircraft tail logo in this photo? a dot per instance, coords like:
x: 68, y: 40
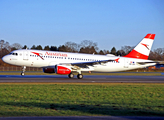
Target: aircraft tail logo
x: 142, y: 50
x: 38, y: 54
x: 145, y: 45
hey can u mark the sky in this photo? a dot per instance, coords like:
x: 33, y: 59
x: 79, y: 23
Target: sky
x: 109, y: 23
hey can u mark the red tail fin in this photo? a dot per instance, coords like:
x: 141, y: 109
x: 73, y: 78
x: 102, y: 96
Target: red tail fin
x: 142, y: 50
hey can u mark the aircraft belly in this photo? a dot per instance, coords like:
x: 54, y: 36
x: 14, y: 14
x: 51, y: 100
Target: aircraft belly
x: 108, y: 68
x: 32, y: 63
x: 118, y: 67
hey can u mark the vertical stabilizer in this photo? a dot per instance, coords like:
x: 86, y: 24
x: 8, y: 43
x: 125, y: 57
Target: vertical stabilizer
x: 142, y: 50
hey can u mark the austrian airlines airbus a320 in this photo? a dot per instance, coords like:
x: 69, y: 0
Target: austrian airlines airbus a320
x: 68, y: 63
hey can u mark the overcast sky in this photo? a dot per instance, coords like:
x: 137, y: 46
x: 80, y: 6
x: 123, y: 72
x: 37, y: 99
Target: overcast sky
x: 109, y: 23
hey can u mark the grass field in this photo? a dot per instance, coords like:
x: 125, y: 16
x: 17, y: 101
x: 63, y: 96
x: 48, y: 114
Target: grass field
x: 74, y: 99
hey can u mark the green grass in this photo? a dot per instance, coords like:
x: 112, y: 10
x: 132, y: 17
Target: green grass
x: 81, y: 99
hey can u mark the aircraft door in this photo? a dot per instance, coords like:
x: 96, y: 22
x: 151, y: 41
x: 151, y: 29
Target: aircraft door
x: 126, y: 63
x: 25, y: 55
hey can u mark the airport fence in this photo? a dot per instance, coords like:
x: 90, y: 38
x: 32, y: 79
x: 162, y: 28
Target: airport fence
x: 19, y: 69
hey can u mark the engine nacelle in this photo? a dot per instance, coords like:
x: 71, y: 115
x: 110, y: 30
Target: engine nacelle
x: 60, y: 69
x: 49, y: 70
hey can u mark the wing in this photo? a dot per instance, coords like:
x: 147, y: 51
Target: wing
x: 88, y: 66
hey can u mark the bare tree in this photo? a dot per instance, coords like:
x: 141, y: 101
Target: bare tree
x: 7, y: 46
x: 4, y: 48
x: 16, y: 46
x: 87, y: 46
x: 158, y: 53
x: 2, y: 42
x: 127, y: 49
x: 152, y: 56
x: 71, y: 47
x: 106, y: 52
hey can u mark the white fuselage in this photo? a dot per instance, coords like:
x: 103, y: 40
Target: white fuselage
x: 40, y: 58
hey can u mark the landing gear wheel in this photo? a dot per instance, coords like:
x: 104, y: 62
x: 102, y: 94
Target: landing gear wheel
x: 71, y: 75
x: 22, y: 73
x: 23, y: 70
x: 79, y: 76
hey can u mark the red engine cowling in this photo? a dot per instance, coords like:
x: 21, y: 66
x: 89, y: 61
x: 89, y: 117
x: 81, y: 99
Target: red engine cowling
x: 48, y: 70
x: 62, y: 70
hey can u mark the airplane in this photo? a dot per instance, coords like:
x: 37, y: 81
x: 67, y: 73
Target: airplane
x: 66, y: 63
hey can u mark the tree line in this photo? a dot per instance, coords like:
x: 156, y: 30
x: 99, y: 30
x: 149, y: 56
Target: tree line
x: 85, y: 46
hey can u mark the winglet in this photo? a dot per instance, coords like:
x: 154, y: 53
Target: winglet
x: 142, y: 50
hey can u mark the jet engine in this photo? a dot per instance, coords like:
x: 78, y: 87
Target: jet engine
x: 59, y: 69
x: 49, y: 70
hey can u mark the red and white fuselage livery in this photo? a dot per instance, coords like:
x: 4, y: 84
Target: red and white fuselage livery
x: 68, y: 63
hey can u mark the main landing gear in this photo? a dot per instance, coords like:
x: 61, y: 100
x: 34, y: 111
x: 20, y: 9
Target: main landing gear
x: 23, y: 70
x: 79, y: 76
x: 71, y: 75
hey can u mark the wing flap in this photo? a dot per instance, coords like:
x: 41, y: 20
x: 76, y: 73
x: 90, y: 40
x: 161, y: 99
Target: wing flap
x: 144, y: 63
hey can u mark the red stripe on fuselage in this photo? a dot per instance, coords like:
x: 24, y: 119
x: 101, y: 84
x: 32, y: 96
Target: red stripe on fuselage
x: 135, y: 54
x: 37, y: 55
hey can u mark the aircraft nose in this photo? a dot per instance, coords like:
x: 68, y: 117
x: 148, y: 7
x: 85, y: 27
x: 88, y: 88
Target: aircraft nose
x: 4, y: 59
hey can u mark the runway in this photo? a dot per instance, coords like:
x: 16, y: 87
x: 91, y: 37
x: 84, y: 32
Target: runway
x: 86, y: 79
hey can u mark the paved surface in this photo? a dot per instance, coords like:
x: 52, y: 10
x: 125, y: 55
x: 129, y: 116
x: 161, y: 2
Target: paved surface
x: 86, y: 79
x: 83, y: 118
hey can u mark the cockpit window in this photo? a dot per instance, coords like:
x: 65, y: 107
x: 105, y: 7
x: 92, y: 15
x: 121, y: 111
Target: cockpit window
x: 13, y: 54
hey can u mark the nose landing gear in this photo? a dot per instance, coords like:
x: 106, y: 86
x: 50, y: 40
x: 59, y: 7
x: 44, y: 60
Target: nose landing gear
x: 23, y: 70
